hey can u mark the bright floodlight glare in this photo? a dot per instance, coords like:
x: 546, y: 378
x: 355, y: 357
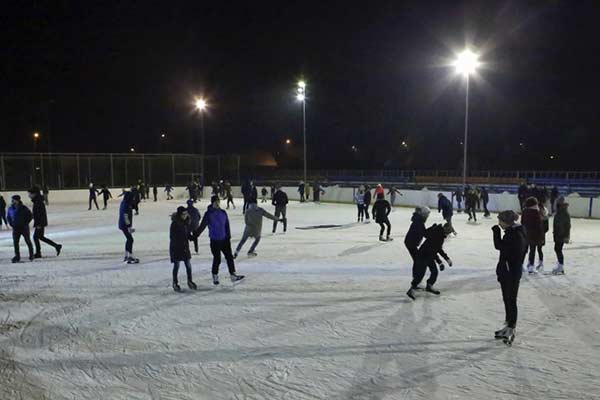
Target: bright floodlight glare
x: 302, y: 84
x: 200, y: 104
x: 300, y: 97
x: 36, y: 135
x: 132, y: 149
x: 163, y: 135
x: 467, y: 62
x: 288, y: 141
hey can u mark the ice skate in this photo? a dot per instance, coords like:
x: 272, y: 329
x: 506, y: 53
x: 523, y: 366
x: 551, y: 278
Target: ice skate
x: 16, y: 259
x: 37, y: 255
x: 176, y: 287
x: 58, y: 250
x: 235, y: 255
x: 500, y: 333
x: 252, y: 254
x: 411, y: 293
x: 430, y: 289
x: 381, y: 238
x: 192, y: 285
x: 215, y: 279
x: 559, y: 269
x: 236, y: 278
x: 509, y: 336
x: 531, y: 269
x: 389, y: 239
x: 133, y: 260
x: 540, y: 267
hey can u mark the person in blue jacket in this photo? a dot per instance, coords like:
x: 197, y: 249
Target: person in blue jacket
x: 217, y: 222
x: 445, y: 207
x: 126, y: 226
x: 19, y: 217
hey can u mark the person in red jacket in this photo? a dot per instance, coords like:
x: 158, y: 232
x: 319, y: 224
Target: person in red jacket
x: 534, y: 228
x: 379, y: 189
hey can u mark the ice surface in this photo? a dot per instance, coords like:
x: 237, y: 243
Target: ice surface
x: 322, y: 315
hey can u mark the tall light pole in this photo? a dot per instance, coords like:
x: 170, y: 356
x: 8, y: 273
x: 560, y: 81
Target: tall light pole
x: 201, y: 106
x: 466, y: 63
x: 301, y: 97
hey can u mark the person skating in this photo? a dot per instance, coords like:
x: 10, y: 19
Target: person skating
x: 19, y: 217
x: 471, y: 203
x: 393, y: 192
x: 253, y: 219
x: 280, y: 201
x: 522, y: 194
x: 40, y: 222
x: 263, y: 195
x: 155, y: 193
x: 533, y: 223
x: 220, y: 238
x: 126, y: 226
x: 359, y: 199
x: 141, y: 189
x: 301, y: 191
x: 445, y: 207
x: 512, y: 248
x: 147, y: 187
x: 46, y: 194
x: 458, y: 196
x: 92, y: 196
x: 3, y: 212
x: 381, y: 211
x: 246, y: 193
x: 317, y: 192
x: 106, y: 194
x: 428, y: 257
x: 485, y: 199
x: 367, y: 201
x: 229, y: 195
x: 194, y: 221
x: 168, y: 190
x: 414, y: 237
x: 135, y: 199
x: 379, y: 189
x: 554, y: 196
x: 562, y: 233
x: 179, y: 246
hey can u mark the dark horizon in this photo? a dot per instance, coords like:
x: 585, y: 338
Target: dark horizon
x: 104, y: 78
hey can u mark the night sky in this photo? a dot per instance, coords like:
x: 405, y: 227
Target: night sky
x: 104, y: 77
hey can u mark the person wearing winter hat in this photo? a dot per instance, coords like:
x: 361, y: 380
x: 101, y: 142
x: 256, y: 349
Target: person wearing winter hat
x: 19, y: 217
x: 40, y: 222
x: 562, y: 233
x: 512, y: 248
x: 533, y: 223
x: 217, y: 221
x: 179, y: 246
x: 126, y: 226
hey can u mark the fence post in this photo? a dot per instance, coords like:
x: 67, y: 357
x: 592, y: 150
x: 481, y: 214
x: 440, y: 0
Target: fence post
x: 112, y: 172
x: 143, y: 169
x: 42, y: 170
x: 173, y: 169
x: 591, y: 205
x: 78, y: 173
x: 3, y: 183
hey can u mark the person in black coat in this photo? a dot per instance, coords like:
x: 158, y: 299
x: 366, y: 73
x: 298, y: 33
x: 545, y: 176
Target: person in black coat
x: 40, y: 222
x: 19, y: 217
x: 554, y: 195
x: 381, y: 211
x: 522, y: 193
x: 367, y: 202
x: 92, y: 196
x: 280, y: 201
x: 179, y: 246
x: 485, y: 199
x: 445, y: 207
x: 106, y: 194
x: 512, y: 247
x: 3, y: 212
x: 415, y: 235
x: 458, y: 195
x: 155, y: 193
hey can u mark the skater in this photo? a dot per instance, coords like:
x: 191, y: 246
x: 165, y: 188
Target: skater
x: 220, y: 238
x: 301, y: 191
x: 155, y: 193
x: 246, y: 193
x: 194, y: 221
x: 46, y: 193
x: 554, y: 195
x: 126, y: 226
x: 522, y: 194
x: 533, y: 223
x: 307, y: 191
x: 229, y: 195
x: 381, y: 211
x: 135, y: 199
x: 445, y: 207
x: 19, y: 217
x: 141, y: 189
x: 263, y: 195
x: 147, y: 187
x: 280, y: 201
x: 179, y: 246
x: 485, y: 199
x: 92, y: 197
x: 3, y: 212
x: 471, y: 203
x: 458, y: 195
x: 393, y: 192
x: 367, y: 201
x: 253, y: 219
x: 427, y: 257
x: 379, y: 189
x: 562, y: 233
x: 317, y: 192
x: 512, y: 247
x: 414, y: 237
x: 168, y: 190
x: 105, y: 196
x: 40, y: 222
x: 359, y: 199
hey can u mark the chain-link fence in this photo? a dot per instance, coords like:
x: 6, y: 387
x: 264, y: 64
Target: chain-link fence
x: 75, y: 170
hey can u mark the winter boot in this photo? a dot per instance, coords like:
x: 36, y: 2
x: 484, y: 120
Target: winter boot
x: 508, y: 336
x: 559, y: 269
x: 235, y: 255
x: 215, y: 279
x: 236, y: 278
x: 411, y: 293
x: 430, y: 289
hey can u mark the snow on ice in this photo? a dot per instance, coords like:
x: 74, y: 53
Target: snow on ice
x: 322, y: 315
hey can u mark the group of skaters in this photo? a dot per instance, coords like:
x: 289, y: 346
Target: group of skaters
x: 380, y: 210
x: 474, y: 198
x: 19, y: 217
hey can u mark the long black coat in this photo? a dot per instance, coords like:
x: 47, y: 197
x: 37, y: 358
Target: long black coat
x: 513, y: 247
x: 381, y: 210
x: 415, y: 233
x: 40, y: 218
x: 179, y: 247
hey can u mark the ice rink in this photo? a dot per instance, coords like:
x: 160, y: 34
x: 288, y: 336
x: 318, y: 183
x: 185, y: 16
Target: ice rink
x: 322, y: 314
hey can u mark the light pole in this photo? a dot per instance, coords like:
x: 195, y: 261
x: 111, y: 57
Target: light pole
x: 301, y: 96
x: 36, y: 138
x: 466, y: 63
x: 201, y: 107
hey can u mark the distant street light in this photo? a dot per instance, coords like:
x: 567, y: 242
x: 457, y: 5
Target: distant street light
x: 201, y: 106
x: 301, y: 97
x: 163, y: 136
x: 288, y: 141
x: 466, y: 64
x: 36, y: 137
x: 132, y: 150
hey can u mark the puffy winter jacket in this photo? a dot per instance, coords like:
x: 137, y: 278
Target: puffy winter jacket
x: 40, y: 218
x: 217, y: 222
x: 562, y: 225
x: 179, y: 245
x: 367, y: 198
x: 381, y: 210
x: 445, y: 206
x: 415, y: 233
x: 18, y: 216
x: 433, y: 244
x: 513, y: 247
x: 533, y: 224
x: 359, y: 198
x: 254, y: 219
x: 280, y: 199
